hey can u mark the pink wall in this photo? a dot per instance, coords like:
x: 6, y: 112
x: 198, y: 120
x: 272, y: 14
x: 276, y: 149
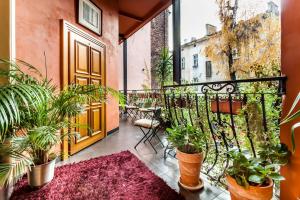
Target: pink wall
x: 290, y: 188
x: 38, y: 30
x: 138, y: 56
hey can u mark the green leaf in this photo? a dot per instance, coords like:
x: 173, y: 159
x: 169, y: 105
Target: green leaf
x: 297, y: 125
x: 287, y: 118
x: 276, y: 177
x: 291, y: 118
x: 255, y: 179
x: 11, y: 172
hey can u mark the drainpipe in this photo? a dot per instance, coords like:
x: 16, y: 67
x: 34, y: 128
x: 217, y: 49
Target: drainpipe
x: 125, y: 69
x: 176, y: 42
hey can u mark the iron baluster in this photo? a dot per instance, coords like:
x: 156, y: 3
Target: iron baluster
x: 232, y: 123
x: 248, y: 128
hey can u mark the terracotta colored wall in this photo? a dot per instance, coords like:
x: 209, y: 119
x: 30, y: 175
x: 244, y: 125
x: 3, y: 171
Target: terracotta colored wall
x: 290, y: 188
x: 38, y: 30
x: 138, y: 57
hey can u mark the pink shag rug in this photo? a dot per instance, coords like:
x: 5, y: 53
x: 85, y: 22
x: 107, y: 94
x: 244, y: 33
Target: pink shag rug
x: 118, y: 176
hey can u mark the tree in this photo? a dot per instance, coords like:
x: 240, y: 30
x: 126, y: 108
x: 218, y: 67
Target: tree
x: 244, y: 48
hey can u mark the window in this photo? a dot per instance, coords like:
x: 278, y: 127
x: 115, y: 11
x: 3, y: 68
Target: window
x: 235, y: 54
x: 182, y: 63
x: 208, y: 69
x: 90, y: 15
x: 195, y: 60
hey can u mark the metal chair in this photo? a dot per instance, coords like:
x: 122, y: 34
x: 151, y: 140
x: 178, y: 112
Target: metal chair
x: 149, y: 128
x: 132, y: 111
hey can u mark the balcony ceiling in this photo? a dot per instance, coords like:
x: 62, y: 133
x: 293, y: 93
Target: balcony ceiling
x: 134, y: 14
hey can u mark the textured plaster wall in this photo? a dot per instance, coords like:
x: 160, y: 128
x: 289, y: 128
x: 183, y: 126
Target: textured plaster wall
x: 138, y: 59
x: 38, y: 31
x: 290, y: 188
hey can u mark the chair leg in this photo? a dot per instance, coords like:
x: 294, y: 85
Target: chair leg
x: 145, y: 136
x: 152, y: 146
x: 151, y: 135
x: 165, y: 152
x: 162, y: 144
x: 155, y: 135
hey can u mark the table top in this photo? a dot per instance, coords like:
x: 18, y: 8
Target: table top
x: 150, y: 109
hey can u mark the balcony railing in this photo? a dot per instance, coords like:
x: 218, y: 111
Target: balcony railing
x: 242, y: 115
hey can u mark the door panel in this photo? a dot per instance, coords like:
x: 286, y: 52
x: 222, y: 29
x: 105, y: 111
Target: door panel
x: 96, y: 62
x: 95, y: 82
x: 87, y: 66
x: 81, y: 80
x: 81, y: 58
x: 95, y: 120
x: 83, y: 131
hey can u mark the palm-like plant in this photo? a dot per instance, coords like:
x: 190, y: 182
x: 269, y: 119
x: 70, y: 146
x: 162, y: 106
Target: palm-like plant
x: 23, y: 93
x: 163, y: 68
x: 33, y: 120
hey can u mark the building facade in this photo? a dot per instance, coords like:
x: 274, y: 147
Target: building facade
x: 197, y: 67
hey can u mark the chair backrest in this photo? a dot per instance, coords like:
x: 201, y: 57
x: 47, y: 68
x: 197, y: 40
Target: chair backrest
x: 156, y: 112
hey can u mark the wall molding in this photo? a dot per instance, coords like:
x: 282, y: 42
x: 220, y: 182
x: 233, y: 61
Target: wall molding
x: 113, y: 130
x: 8, y: 29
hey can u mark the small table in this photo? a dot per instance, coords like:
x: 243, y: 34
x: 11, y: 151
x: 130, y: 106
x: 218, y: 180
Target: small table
x: 147, y: 112
x: 132, y: 111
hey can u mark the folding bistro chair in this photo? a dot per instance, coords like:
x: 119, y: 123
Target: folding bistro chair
x: 132, y: 111
x: 149, y: 128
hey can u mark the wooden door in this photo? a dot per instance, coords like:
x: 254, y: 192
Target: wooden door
x: 86, y: 65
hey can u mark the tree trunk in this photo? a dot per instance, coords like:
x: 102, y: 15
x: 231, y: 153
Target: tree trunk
x: 230, y: 55
x: 230, y: 65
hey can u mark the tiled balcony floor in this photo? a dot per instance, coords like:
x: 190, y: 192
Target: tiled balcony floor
x: 125, y: 139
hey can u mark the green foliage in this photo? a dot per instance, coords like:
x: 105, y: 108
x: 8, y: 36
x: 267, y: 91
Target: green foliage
x: 17, y: 98
x: 163, y: 68
x: 12, y: 171
x: 275, y: 153
x: 254, y: 111
x: 252, y: 171
x: 35, y: 114
x: 148, y: 103
x: 187, y: 138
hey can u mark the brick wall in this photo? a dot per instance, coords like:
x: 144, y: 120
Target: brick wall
x: 159, y: 40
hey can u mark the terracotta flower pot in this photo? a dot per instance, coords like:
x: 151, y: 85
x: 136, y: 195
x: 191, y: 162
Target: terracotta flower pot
x: 189, y: 166
x: 224, y: 106
x: 238, y: 192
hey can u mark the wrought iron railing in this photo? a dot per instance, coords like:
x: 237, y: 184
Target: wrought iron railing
x: 139, y: 96
x: 241, y: 115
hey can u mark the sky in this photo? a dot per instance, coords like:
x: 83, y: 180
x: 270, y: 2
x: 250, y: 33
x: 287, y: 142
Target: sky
x: 196, y: 13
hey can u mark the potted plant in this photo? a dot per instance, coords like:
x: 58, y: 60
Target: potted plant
x: 224, y: 106
x: 253, y: 178
x: 163, y: 68
x: 35, y: 135
x: 148, y: 102
x: 190, y: 142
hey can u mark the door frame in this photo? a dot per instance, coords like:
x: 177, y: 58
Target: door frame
x: 66, y: 28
